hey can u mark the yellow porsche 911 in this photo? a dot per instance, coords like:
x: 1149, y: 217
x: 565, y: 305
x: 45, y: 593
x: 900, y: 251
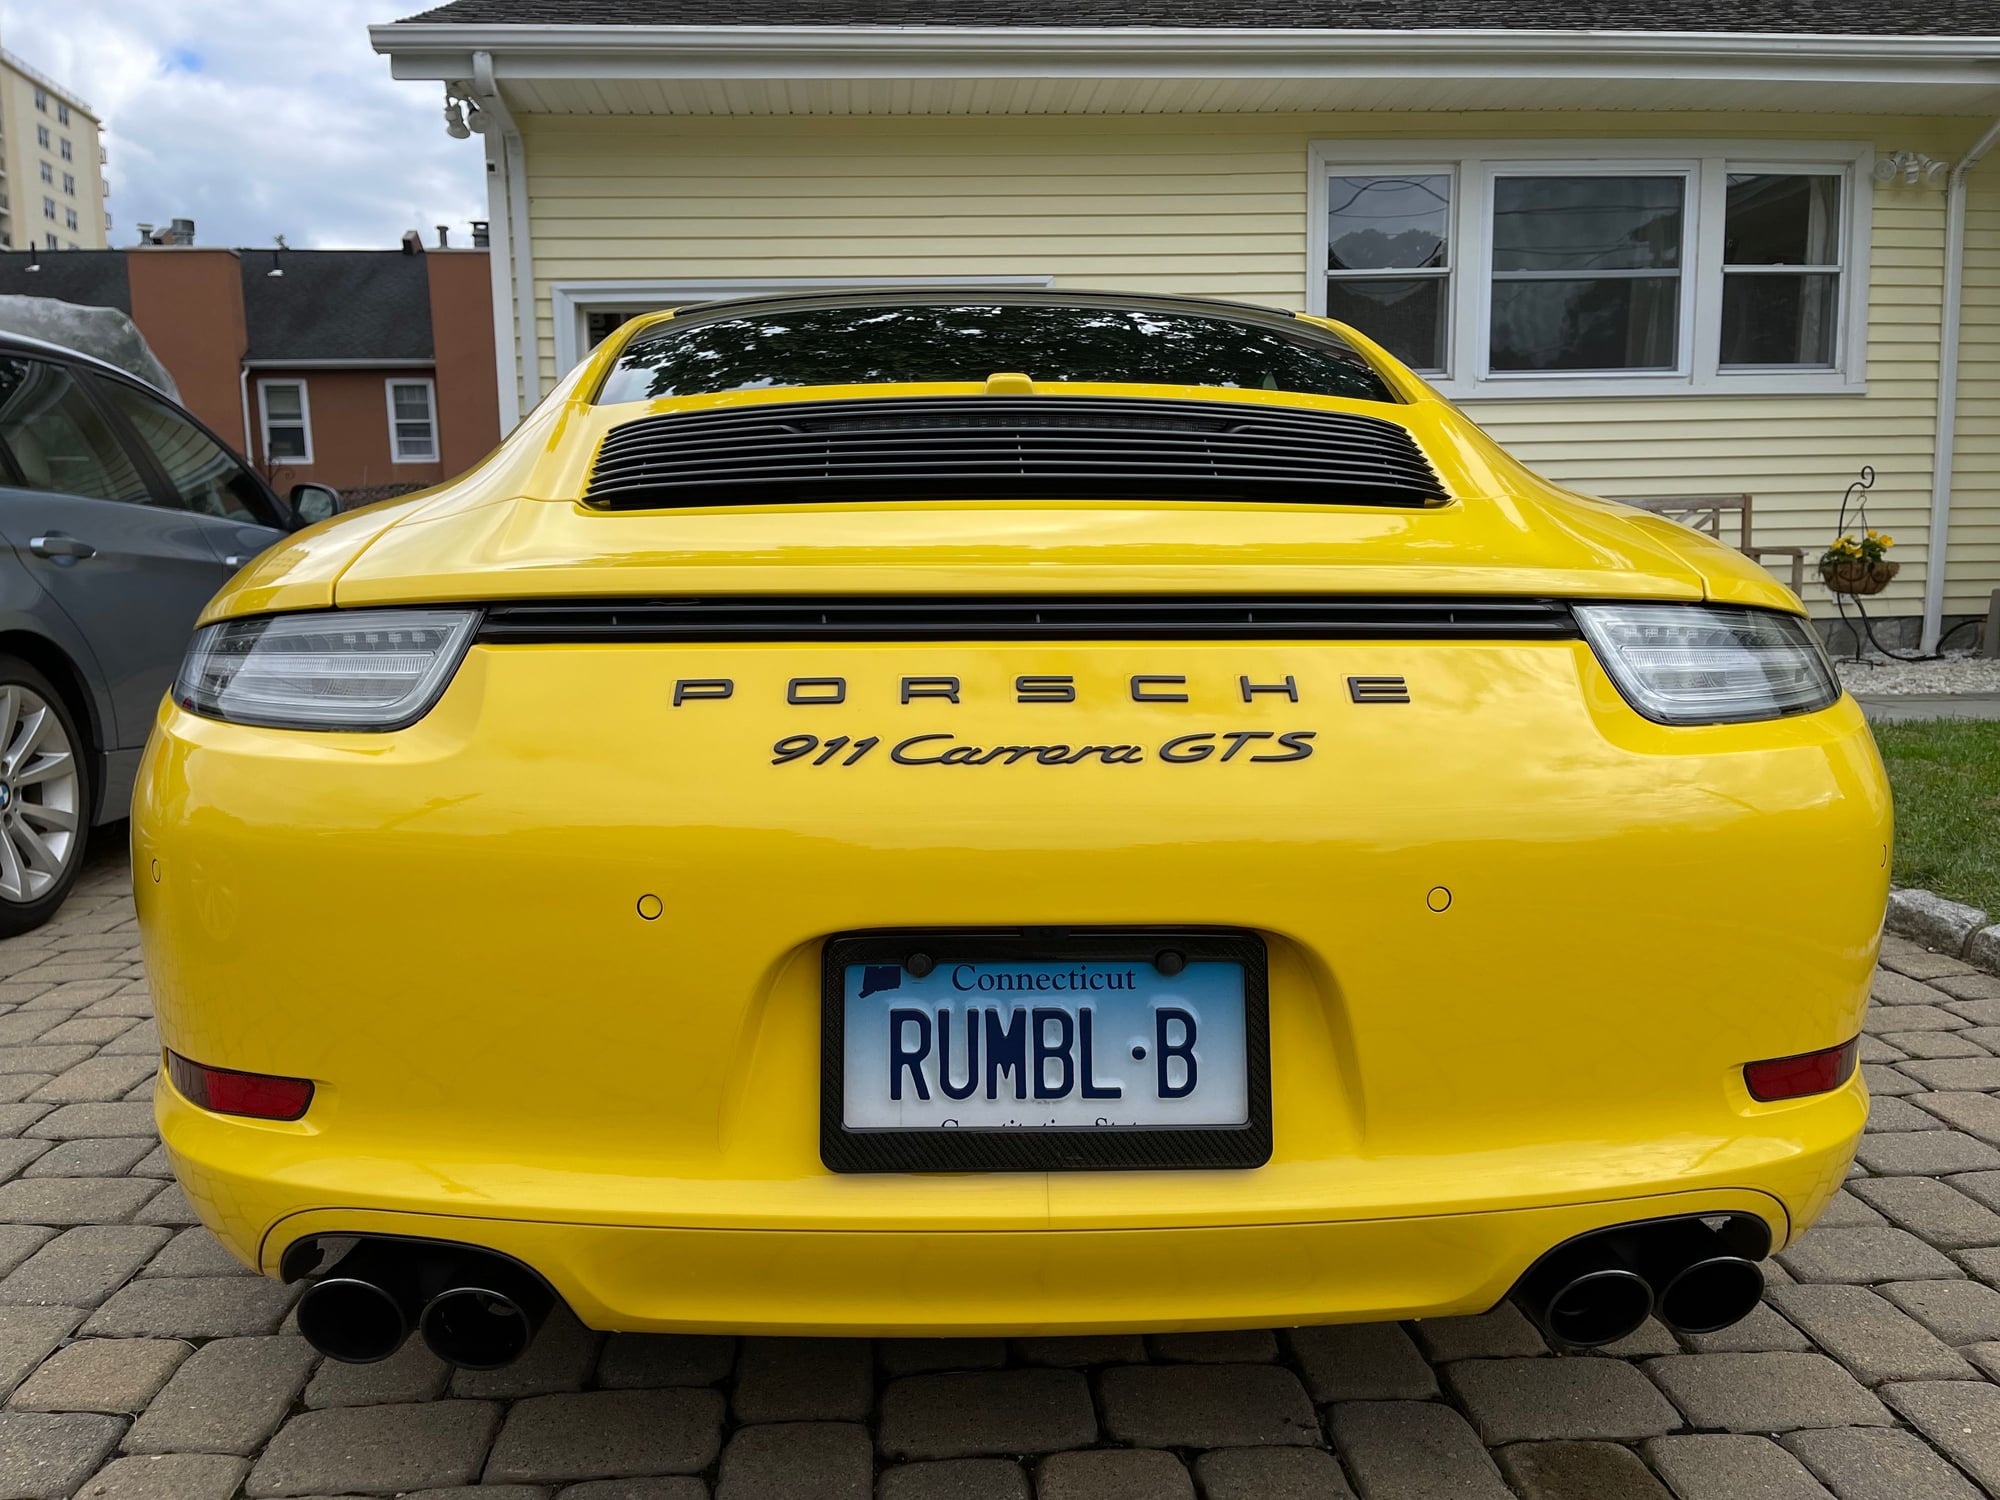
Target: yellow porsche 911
x: 968, y: 813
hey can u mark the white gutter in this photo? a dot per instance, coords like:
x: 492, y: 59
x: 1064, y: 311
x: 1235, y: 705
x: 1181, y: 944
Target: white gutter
x: 510, y: 217
x: 1947, y: 402
x: 433, y: 50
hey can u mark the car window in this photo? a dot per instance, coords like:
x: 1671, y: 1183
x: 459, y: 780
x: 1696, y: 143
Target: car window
x: 203, y: 474
x: 916, y: 342
x: 58, y: 440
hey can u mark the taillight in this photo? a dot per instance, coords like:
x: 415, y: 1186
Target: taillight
x: 261, y: 1096
x: 1806, y: 1073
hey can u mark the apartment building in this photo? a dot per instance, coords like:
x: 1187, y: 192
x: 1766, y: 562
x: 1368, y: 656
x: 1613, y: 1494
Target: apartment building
x: 51, y: 165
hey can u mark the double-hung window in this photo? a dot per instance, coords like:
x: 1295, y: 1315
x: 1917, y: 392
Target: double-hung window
x: 1535, y: 268
x: 287, y: 421
x: 412, y: 422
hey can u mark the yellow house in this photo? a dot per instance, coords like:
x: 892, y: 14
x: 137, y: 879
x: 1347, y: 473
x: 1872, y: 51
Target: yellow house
x: 1686, y: 247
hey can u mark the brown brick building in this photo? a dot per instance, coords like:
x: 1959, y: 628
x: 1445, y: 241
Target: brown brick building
x: 362, y: 369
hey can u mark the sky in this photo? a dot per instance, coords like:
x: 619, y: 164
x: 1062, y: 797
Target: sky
x: 256, y: 118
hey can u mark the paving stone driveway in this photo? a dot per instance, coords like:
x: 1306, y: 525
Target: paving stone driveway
x: 138, y: 1361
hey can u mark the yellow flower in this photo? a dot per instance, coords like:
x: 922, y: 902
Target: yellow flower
x: 1888, y: 541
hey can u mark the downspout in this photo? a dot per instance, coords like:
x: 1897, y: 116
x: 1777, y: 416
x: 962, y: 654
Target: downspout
x: 1947, y: 405
x: 243, y: 389
x: 513, y: 153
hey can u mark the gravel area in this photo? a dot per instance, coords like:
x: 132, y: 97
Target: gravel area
x: 1957, y: 673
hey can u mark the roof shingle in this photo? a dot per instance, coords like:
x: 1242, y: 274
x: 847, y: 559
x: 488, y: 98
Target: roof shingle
x: 337, y: 305
x: 1800, y: 17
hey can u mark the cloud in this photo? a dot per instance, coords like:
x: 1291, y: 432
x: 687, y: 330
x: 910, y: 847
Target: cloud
x: 256, y: 118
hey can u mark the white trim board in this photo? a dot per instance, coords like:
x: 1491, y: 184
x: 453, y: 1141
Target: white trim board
x: 570, y: 300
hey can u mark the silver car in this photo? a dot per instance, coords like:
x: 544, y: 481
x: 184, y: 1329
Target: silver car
x: 120, y: 516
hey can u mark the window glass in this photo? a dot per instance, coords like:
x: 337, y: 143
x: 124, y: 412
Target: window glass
x: 203, y: 475
x: 65, y: 149
x: 285, y: 433
x: 1774, y: 310
x: 69, y: 217
x: 48, y: 173
x: 412, y: 428
x: 1388, y: 262
x: 59, y: 441
x: 1593, y: 223
x: 1586, y: 273
x: 865, y: 344
x: 62, y: 113
x: 42, y: 136
x: 600, y: 323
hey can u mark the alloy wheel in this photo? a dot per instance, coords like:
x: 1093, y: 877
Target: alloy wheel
x: 39, y: 795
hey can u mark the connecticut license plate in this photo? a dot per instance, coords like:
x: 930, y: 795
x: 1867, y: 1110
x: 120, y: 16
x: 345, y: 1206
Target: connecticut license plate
x: 1045, y: 1050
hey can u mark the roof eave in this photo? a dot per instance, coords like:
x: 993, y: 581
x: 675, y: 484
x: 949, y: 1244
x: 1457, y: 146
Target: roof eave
x: 429, y: 50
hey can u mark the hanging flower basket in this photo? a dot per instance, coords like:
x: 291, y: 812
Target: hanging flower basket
x: 1857, y: 575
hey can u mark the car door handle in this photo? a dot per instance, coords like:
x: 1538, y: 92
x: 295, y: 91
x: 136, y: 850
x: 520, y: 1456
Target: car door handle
x: 236, y: 559
x: 55, y: 544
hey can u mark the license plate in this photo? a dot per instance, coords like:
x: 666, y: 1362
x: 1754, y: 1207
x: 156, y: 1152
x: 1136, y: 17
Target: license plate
x: 1044, y: 1051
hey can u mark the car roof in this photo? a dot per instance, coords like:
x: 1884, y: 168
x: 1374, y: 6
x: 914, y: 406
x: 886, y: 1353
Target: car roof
x: 973, y: 294
x: 21, y: 343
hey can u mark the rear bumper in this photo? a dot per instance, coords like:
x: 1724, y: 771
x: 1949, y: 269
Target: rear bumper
x: 446, y: 928
x: 249, y: 1183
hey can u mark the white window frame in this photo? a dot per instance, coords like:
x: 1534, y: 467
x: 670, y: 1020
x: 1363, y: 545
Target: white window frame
x: 1707, y: 164
x: 430, y: 396
x: 1452, y: 271
x: 569, y: 301
x: 264, y: 385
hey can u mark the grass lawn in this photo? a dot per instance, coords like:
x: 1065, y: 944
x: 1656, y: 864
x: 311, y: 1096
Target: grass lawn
x: 1946, y: 776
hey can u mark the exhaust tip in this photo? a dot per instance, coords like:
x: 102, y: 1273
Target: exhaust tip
x: 477, y: 1328
x: 1598, y: 1307
x: 353, y: 1321
x: 1711, y: 1294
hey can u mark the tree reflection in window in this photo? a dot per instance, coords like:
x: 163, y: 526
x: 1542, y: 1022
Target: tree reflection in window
x: 925, y: 342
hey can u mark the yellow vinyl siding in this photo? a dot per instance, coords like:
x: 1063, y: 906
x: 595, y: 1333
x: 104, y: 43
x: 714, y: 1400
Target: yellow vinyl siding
x: 1216, y: 205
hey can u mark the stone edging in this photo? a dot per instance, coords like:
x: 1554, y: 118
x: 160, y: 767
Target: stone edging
x: 1963, y: 932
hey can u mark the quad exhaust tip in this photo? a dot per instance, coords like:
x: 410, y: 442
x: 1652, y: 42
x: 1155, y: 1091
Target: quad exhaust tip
x: 475, y: 1309
x: 1696, y: 1275
x: 479, y: 1310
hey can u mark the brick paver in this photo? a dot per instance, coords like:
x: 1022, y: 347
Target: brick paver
x: 140, y: 1361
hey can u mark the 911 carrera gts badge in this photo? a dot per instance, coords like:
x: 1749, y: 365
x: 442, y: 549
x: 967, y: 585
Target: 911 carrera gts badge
x: 941, y: 748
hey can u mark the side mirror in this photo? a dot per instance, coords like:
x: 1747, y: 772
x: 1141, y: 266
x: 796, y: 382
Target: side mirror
x: 314, y: 502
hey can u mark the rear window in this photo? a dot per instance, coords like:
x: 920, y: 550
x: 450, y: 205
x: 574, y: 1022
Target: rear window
x: 811, y: 346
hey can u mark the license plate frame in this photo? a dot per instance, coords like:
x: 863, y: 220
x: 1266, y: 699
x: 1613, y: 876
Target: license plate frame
x: 1044, y: 1148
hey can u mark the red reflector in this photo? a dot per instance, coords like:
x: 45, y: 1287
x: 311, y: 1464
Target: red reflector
x: 259, y: 1095
x: 1818, y: 1072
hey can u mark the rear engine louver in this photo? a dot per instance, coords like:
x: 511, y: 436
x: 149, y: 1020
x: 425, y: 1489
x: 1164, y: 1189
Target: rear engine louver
x: 1009, y: 448
x: 737, y: 619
